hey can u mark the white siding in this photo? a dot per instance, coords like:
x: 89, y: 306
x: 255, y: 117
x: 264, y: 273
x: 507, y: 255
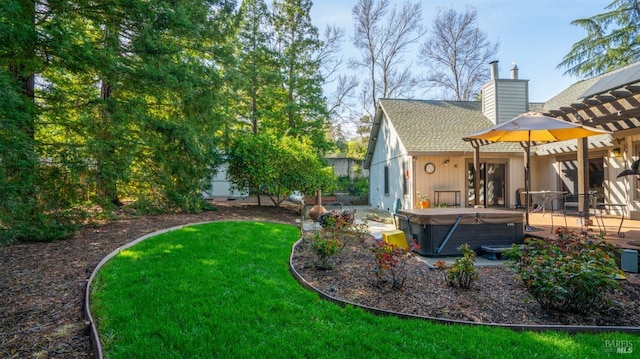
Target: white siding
x: 389, y: 152
x: 504, y: 99
x: 220, y: 187
x: 512, y: 99
x: 489, y: 101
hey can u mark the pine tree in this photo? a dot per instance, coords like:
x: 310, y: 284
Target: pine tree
x: 257, y: 67
x: 612, y: 41
x: 304, y: 106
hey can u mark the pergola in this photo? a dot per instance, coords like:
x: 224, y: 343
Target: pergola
x: 610, y: 102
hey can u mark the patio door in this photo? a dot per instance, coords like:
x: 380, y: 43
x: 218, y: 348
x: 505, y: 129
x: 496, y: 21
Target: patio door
x: 493, y: 179
x: 568, y: 175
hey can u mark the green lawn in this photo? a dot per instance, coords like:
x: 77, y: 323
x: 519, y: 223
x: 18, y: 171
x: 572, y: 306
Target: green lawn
x: 223, y: 290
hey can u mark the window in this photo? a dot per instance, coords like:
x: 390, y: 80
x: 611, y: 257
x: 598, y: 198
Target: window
x: 405, y: 178
x: 386, y: 180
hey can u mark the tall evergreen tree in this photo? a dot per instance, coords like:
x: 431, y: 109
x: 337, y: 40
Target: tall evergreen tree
x: 31, y: 37
x: 257, y: 64
x: 612, y: 41
x: 301, y: 82
x: 162, y: 108
x: 130, y: 102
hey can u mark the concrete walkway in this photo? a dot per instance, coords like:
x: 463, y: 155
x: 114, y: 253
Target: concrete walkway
x: 362, y: 213
x: 376, y: 228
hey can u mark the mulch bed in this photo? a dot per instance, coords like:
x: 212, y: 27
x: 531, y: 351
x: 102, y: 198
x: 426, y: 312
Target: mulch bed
x: 498, y: 296
x: 43, y: 284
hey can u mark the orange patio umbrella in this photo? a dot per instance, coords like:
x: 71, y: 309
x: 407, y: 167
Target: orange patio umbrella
x: 528, y: 128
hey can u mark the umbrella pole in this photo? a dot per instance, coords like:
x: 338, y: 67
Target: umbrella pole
x: 527, y: 184
x: 527, y: 187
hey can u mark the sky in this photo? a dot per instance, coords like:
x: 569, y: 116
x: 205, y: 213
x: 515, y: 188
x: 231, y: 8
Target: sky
x: 535, y: 35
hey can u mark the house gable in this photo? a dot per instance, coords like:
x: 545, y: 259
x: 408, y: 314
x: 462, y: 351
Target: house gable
x: 429, y: 126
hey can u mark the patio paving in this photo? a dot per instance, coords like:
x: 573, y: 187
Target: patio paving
x: 630, y: 228
x: 546, y: 223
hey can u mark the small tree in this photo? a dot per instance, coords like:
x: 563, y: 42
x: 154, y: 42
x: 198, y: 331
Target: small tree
x: 462, y: 273
x: 390, y: 263
x: 264, y: 163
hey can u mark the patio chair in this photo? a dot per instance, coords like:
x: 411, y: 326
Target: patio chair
x: 521, y: 198
x: 582, y: 205
x: 605, y: 207
x: 397, y: 206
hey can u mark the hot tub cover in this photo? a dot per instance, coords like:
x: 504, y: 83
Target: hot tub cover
x: 444, y: 216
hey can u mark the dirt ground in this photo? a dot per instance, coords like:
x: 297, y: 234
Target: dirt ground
x: 43, y: 284
x: 498, y: 296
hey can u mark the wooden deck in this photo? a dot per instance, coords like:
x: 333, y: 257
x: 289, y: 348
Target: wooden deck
x: 630, y: 228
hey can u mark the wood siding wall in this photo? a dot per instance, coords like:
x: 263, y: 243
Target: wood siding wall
x: 389, y: 152
x: 453, y: 176
x: 512, y: 99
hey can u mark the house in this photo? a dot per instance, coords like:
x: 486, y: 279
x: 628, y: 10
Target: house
x: 416, y: 146
x: 220, y: 187
x: 346, y: 166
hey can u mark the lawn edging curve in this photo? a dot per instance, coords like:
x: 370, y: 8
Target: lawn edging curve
x: 93, y: 330
x: 571, y: 329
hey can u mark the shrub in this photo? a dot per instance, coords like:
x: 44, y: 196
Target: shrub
x: 462, y: 273
x: 358, y: 186
x: 338, y: 229
x: 389, y: 264
x: 569, y: 273
x: 340, y: 218
x: 325, y: 246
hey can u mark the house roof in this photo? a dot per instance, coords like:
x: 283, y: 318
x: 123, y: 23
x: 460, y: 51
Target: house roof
x: 577, y: 96
x: 431, y: 126
x: 610, y: 101
x: 437, y: 126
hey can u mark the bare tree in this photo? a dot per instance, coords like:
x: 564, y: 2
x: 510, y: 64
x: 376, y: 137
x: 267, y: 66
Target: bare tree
x: 383, y: 34
x: 330, y: 61
x: 456, y: 53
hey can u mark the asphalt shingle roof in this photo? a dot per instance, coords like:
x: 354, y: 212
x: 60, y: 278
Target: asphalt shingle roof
x: 439, y: 126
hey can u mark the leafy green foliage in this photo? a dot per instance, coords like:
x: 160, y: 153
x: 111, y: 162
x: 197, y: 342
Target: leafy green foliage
x: 611, y: 41
x: 462, y: 273
x: 359, y: 186
x: 137, y: 99
x: 129, y: 107
x: 337, y: 218
x: 326, y: 245
x: 301, y: 99
x: 338, y: 229
x: 570, y: 272
x: 276, y: 166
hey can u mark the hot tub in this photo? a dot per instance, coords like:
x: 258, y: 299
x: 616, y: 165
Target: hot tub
x: 440, y: 231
